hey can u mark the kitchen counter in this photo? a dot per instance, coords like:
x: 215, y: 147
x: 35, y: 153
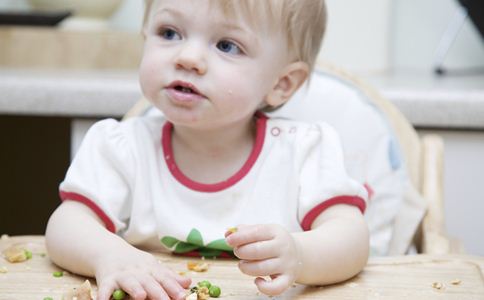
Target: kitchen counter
x: 427, y: 101
x: 68, y: 93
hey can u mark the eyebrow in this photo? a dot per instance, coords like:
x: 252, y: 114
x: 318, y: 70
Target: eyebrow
x: 230, y: 26
x: 169, y: 11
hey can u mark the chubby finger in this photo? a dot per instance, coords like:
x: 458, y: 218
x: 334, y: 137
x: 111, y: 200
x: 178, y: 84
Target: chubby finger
x: 257, y: 251
x: 250, y: 234
x: 273, y: 287
x: 132, y: 286
x: 182, y: 280
x: 154, y: 290
x: 173, y: 289
x: 105, y: 289
x: 264, y: 267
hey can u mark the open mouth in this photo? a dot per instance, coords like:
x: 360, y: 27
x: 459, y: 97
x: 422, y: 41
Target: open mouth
x: 184, y: 87
x: 184, y: 93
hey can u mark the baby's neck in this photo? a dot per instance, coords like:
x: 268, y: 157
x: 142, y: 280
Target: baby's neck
x: 215, y: 155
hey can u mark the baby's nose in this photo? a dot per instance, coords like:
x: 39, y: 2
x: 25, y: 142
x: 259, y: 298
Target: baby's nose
x: 192, y: 58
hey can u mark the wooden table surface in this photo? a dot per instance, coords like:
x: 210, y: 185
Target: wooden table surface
x: 402, y: 277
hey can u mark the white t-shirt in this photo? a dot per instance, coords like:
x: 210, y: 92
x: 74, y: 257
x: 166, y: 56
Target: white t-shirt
x: 125, y: 172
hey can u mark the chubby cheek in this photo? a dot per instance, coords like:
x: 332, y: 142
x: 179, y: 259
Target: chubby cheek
x: 241, y: 93
x: 148, y: 77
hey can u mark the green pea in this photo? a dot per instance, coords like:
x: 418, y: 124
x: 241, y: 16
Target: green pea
x: 58, y: 274
x: 119, y: 294
x: 214, y: 291
x: 204, y: 283
x: 48, y: 298
x: 28, y: 254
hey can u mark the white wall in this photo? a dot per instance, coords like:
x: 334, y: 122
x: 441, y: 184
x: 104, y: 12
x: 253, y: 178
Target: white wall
x: 418, y: 26
x: 463, y: 182
x: 358, y: 34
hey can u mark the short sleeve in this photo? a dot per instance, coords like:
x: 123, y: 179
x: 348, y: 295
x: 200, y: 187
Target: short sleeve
x: 100, y: 173
x: 323, y: 179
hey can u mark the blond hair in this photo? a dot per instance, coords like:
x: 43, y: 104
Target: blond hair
x: 304, y: 21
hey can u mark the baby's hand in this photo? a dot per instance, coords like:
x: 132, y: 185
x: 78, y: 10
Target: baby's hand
x: 266, y: 250
x: 140, y: 275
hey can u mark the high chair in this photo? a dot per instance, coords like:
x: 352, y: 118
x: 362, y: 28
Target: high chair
x: 403, y: 171
x: 424, y: 159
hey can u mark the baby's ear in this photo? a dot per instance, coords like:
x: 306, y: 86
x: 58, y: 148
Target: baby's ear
x: 288, y: 82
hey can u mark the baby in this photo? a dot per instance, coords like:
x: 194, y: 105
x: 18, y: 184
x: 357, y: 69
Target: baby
x: 214, y: 160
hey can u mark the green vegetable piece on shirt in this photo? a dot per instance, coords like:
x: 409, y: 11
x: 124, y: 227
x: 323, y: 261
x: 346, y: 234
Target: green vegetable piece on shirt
x: 119, y: 294
x: 28, y: 254
x: 48, y: 298
x: 214, y: 291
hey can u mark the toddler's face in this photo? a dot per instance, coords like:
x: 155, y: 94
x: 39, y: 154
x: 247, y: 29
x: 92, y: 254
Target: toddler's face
x: 204, y: 69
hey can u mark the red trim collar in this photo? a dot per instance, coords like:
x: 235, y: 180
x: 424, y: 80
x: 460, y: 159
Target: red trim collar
x: 166, y: 137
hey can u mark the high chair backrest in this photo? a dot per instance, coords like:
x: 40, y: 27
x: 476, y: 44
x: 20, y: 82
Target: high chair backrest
x: 423, y: 188
x: 382, y: 151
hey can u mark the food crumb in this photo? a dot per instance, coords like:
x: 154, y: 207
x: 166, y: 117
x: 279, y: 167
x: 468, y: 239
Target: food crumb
x: 437, y: 285
x: 456, y: 281
x: 58, y: 274
x: 3, y: 269
x: 352, y: 284
x: 16, y: 254
x: 82, y: 292
x: 232, y: 229
x: 192, y: 296
x: 203, y: 293
x: 197, y: 266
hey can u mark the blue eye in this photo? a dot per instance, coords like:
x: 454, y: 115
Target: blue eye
x: 169, y: 34
x: 229, y: 47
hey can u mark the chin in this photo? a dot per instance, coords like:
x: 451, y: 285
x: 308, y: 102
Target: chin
x: 183, y: 117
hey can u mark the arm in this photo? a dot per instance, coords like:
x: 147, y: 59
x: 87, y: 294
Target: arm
x: 77, y: 241
x: 335, y: 249
x: 338, y: 244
